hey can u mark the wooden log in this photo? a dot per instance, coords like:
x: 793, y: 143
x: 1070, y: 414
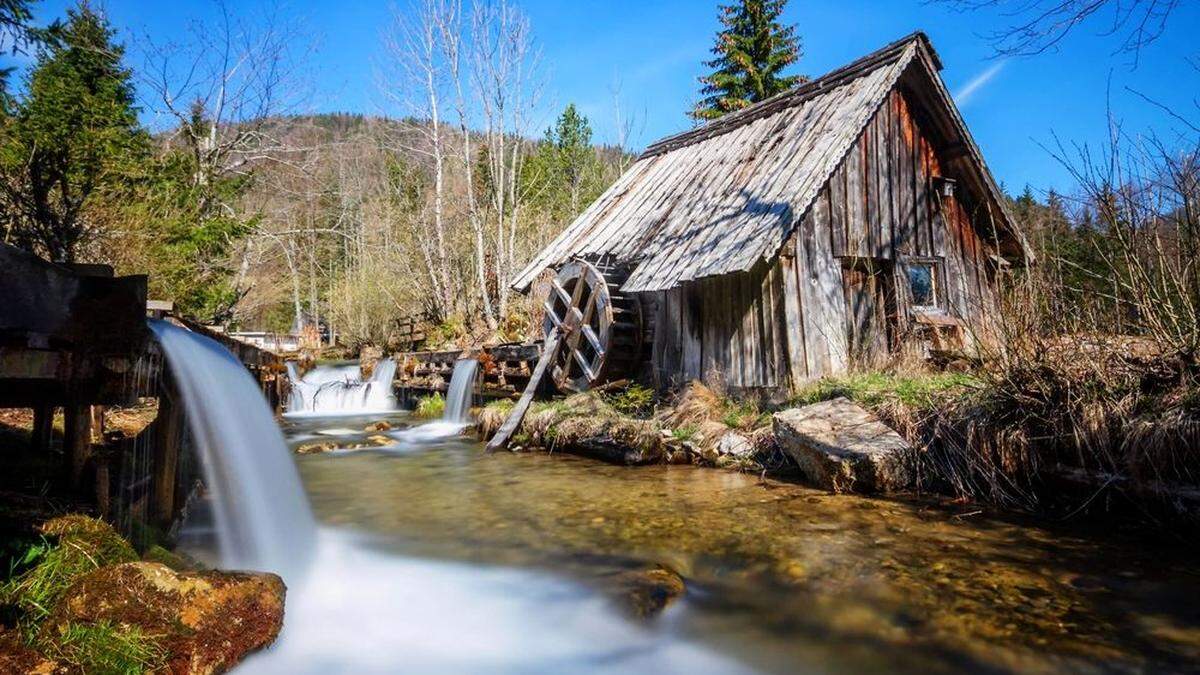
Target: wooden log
x: 77, y: 442
x: 500, y: 440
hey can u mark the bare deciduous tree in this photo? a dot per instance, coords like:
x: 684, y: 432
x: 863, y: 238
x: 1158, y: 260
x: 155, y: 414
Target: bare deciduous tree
x: 1040, y: 25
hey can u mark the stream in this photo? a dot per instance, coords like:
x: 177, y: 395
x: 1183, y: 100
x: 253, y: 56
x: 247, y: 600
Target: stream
x: 779, y: 578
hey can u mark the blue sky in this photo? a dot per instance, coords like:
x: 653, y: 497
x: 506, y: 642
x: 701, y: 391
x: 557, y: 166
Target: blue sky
x: 654, y: 49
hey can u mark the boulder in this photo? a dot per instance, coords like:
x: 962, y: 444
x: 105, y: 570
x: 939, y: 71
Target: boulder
x: 207, y: 621
x: 841, y: 447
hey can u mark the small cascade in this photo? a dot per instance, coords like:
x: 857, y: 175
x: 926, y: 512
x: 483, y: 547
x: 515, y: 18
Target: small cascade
x: 461, y: 392
x: 261, y: 513
x: 340, y: 390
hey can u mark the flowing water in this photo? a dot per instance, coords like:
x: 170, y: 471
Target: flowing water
x: 261, y: 515
x: 340, y: 389
x: 461, y: 392
x: 779, y: 577
x: 433, y: 556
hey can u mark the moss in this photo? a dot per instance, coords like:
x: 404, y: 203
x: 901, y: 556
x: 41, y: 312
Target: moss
x: 171, y: 559
x: 875, y: 389
x: 105, y: 647
x: 73, y: 546
x: 430, y: 407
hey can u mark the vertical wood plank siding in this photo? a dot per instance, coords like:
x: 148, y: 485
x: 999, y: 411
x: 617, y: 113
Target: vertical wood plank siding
x: 791, y: 320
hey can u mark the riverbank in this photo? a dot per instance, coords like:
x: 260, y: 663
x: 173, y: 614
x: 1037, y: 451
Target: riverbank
x: 1096, y: 430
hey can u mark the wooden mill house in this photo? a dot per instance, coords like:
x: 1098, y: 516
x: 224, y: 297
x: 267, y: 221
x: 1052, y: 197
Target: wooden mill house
x: 831, y: 225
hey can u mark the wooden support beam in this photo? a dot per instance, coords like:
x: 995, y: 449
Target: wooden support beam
x: 168, y: 433
x: 77, y: 442
x: 43, y: 426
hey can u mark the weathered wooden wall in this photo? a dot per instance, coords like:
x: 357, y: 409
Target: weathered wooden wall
x: 837, y: 292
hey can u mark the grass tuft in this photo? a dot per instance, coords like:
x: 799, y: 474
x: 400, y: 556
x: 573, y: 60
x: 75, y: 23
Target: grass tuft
x: 430, y: 407
x: 106, y: 648
x: 73, y: 546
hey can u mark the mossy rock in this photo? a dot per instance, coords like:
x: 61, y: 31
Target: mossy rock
x: 75, y: 545
x: 200, y: 622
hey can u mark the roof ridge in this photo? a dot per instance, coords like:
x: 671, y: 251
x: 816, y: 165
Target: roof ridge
x: 796, y: 95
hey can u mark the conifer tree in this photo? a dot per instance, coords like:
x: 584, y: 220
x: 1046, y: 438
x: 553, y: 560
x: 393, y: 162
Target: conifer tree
x: 72, y: 137
x: 571, y: 142
x: 753, y: 49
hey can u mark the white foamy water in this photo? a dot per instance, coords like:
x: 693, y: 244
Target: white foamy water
x: 366, y: 611
x: 340, y: 390
x: 352, y: 608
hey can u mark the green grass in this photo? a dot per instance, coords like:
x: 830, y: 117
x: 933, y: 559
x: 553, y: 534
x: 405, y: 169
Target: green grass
x: 872, y: 389
x: 75, y: 545
x: 105, y: 648
x: 430, y: 406
x: 634, y: 400
x: 685, y: 433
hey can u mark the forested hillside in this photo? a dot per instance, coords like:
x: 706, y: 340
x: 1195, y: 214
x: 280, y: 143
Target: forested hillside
x: 245, y: 213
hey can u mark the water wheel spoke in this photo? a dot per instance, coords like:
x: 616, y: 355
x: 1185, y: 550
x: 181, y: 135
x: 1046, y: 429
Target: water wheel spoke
x: 551, y: 315
x: 583, y: 363
x: 593, y: 338
x: 561, y: 292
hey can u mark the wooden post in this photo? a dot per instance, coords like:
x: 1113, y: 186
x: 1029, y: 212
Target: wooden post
x: 97, y: 424
x: 104, y: 488
x: 167, y: 433
x: 77, y: 441
x: 43, y: 426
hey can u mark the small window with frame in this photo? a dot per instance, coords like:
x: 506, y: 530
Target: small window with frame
x: 924, y: 289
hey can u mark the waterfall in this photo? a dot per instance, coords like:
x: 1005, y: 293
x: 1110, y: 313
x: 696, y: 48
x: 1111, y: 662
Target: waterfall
x: 461, y: 392
x: 263, y: 520
x: 340, y: 390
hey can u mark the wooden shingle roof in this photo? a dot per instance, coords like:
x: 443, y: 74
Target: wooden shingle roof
x: 717, y: 199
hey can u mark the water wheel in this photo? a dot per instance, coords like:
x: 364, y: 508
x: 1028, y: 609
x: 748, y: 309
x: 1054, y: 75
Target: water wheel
x: 601, y: 328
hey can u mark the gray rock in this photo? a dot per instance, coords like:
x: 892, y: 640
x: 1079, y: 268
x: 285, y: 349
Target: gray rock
x: 733, y: 444
x: 843, y: 448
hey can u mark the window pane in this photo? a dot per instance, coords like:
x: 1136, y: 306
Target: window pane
x: 920, y: 283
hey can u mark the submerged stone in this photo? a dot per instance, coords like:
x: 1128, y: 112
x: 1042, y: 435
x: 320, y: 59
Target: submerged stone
x: 841, y: 447
x: 646, y: 593
x: 207, y: 621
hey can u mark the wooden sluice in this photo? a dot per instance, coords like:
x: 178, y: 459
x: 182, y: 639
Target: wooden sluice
x: 505, y: 369
x: 74, y: 340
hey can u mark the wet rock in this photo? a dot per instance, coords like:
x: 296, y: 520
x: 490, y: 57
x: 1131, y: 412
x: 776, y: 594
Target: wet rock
x: 316, y: 448
x: 646, y: 593
x: 207, y: 621
x: 841, y: 447
x: 380, y: 440
x: 381, y: 425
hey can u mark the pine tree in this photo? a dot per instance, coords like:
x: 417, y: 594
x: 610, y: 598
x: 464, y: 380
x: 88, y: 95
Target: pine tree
x: 752, y: 50
x: 570, y: 140
x: 73, y: 136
